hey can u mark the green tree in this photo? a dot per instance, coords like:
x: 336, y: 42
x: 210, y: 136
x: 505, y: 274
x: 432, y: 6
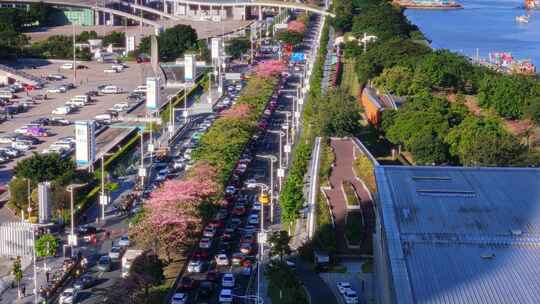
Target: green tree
x: 115, y: 38
x: 146, y: 271
x: 17, y: 272
x: 42, y: 13
x: 428, y: 149
x: 84, y: 36
x: 279, y: 241
x: 484, y: 142
x: 204, y: 52
x: 18, y: 190
x: 237, y: 47
x: 44, y: 167
x: 395, y: 80
x: 46, y: 246
x: 444, y: 69
x: 532, y: 111
x: 290, y: 37
x: 344, y: 15
x: 173, y: 42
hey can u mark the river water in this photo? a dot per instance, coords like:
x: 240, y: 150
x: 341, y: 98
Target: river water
x: 488, y: 25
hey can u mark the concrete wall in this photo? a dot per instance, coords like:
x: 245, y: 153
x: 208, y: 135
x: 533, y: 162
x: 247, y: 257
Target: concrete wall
x: 383, y: 278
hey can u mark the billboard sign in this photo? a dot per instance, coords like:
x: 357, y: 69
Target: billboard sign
x: 85, y: 143
x: 130, y: 44
x: 152, y: 93
x: 215, y: 48
x: 190, y: 68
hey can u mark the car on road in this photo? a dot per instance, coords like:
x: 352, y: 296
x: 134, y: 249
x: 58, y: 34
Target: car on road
x: 68, y: 296
x: 253, y: 219
x: 209, y: 232
x: 246, y: 248
x: 216, y: 223
x: 228, y: 280
x: 195, y: 266
x: 250, y: 183
x: 188, y: 283
x: 205, y: 243
x: 350, y: 296
x: 343, y: 286
x: 84, y: 282
x: 58, y: 89
x: 104, y: 263
x: 239, y: 210
x: 225, y: 296
x: 238, y: 258
x: 222, y: 260
x: 256, y: 206
x: 124, y: 241
x: 230, y: 190
x: 115, y: 253
x: 206, y: 288
x: 179, y: 298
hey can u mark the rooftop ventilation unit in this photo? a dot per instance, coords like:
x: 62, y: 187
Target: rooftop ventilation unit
x: 516, y: 232
x: 488, y: 256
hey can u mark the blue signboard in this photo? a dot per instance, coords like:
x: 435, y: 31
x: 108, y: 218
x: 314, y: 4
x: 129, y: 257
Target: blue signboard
x: 298, y: 57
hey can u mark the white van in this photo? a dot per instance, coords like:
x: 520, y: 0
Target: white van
x: 6, y: 94
x: 62, y: 110
x: 21, y: 146
x: 111, y: 90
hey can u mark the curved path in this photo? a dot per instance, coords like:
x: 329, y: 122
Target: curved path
x: 343, y: 171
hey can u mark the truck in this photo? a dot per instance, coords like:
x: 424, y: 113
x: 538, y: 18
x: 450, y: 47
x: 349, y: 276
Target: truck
x: 129, y: 256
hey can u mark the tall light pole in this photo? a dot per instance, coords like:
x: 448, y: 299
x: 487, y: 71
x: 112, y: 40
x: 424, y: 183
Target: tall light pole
x: 272, y: 159
x: 280, y: 171
x: 261, y: 242
x: 72, y: 237
x: 142, y: 169
x: 104, y: 197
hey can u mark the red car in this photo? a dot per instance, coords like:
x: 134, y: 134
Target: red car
x: 212, y: 275
x: 239, y: 210
x: 216, y: 223
x: 200, y: 255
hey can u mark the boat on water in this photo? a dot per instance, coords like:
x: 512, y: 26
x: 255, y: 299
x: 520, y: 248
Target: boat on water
x: 522, y: 19
x: 532, y: 4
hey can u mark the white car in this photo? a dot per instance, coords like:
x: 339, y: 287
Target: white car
x: 21, y: 146
x: 228, y: 280
x: 21, y: 130
x: 62, y: 110
x: 124, y: 241
x: 225, y: 296
x: 230, y: 190
x: 68, y: 296
x: 179, y: 298
x: 59, y: 89
x: 209, y: 232
x: 195, y: 266
x: 111, y: 89
x: 111, y: 70
x: 350, y: 296
x: 140, y: 89
x: 222, y: 260
x: 343, y: 286
x: 251, y: 183
x: 178, y: 164
x: 67, y: 66
x: 256, y: 206
x: 205, y: 243
x: 119, y: 67
x: 114, y: 254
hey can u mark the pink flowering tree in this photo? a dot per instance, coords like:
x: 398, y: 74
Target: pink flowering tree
x: 269, y: 68
x: 296, y: 26
x: 238, y: 111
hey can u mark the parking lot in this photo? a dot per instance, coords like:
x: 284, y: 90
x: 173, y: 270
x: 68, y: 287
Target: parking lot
x: 87, y: 79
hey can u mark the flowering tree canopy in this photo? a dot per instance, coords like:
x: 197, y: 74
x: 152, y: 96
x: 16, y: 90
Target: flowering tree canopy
x: 296, y: 26
x: 269, y: 68
x: 238, y: 111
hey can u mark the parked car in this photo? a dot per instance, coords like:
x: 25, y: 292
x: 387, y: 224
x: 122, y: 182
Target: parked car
x: 188, y: 283
x: 343, y: 286
x: 209, y: 232
x: 115, y: 253
x: 222, y: 260
x: 205, y: 243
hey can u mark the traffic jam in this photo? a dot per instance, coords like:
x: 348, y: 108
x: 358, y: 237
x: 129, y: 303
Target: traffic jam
x: 223, y: 267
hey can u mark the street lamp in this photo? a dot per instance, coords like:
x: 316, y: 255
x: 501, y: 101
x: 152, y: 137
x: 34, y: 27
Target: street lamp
x: 104, y: 197
x: 72, y: 239
x: 272, y: 159
x: 280, y: 171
